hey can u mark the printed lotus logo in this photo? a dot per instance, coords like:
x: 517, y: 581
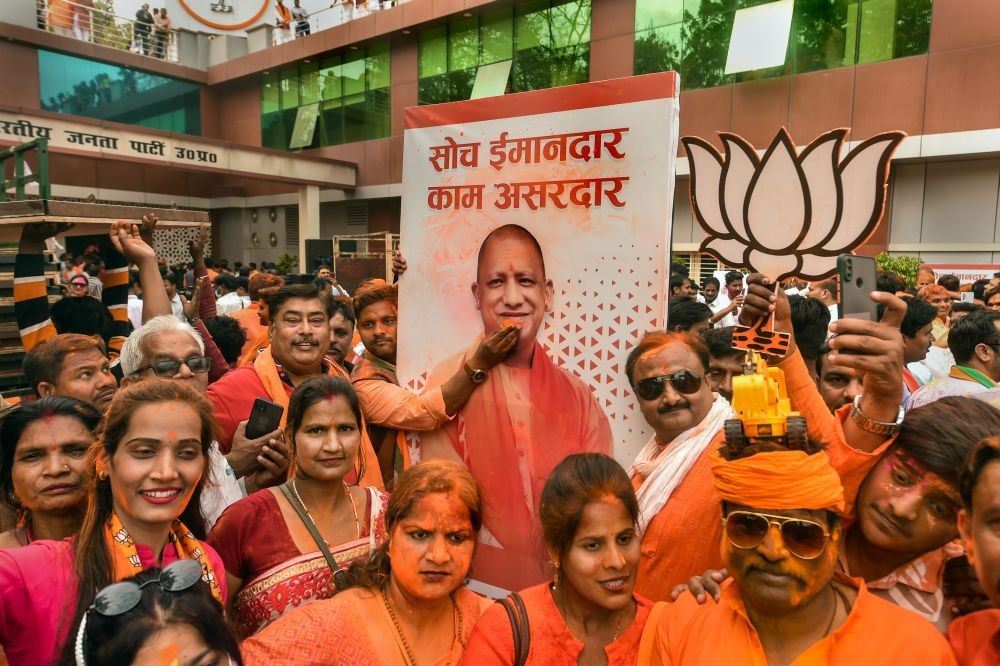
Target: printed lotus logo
x: 788, y: 213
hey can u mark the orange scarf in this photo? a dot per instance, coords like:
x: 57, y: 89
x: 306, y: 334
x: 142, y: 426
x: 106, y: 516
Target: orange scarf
x: 125, y: 557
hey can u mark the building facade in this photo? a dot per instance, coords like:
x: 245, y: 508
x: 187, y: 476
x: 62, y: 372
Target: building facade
x: 926, y: 67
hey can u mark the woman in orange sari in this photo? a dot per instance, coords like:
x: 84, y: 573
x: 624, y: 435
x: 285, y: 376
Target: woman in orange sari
x: 274, y: 563
x: 409, y: 605
x: 589, y: 614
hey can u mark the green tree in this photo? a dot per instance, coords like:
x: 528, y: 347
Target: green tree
x: 902, y: 265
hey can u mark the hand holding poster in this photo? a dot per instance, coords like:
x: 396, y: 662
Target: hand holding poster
x: 548, y: 212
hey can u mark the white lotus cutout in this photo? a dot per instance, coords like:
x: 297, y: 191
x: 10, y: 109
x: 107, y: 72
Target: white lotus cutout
x: 788, y: 213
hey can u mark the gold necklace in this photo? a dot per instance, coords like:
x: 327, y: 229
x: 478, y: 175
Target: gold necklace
x: 357, y: 523
x: 399, y: 630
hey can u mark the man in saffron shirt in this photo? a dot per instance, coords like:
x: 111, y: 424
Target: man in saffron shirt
x: 785, y: 603
x: 524, y: 418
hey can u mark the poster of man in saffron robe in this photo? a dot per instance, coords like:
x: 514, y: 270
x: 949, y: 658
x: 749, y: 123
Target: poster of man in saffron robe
x: 548, y: 211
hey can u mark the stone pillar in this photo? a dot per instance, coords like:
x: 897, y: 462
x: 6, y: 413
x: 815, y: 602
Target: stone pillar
x: 308, y: 220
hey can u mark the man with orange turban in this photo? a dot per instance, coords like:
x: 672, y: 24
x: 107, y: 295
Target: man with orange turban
x: 785, y: 603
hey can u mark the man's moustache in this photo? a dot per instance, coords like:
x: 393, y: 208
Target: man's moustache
x: 663, y: 409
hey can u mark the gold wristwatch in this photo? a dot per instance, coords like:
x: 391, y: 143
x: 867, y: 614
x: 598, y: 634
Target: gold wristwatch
x: 871, y: 425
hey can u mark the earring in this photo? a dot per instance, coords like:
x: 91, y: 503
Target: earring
x: 102, y: 475
x: 555, y: 576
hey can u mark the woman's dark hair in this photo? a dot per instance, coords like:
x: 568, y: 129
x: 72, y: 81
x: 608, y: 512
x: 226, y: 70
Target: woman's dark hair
x: 940, y: 434
x: 313, y: 390
x: 118, y: 639
x: 421, y: 480
x: 577, y: 481
x: 91, y: 558
x: 17, y: 420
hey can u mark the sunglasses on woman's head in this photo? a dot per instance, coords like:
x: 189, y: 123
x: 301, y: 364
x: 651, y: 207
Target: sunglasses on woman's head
x: 805, y: 539
x: 683, y: 381
x: 120, y: 598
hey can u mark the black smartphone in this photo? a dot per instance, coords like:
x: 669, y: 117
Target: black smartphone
x: 857, y: 278
x: 265, y: 417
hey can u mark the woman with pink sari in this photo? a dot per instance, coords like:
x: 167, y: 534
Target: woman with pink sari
x: 288, y: 546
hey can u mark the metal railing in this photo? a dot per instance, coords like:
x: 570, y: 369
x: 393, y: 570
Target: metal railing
x: 338, y: 13
x: 21, y: 179
x: 90, y: 21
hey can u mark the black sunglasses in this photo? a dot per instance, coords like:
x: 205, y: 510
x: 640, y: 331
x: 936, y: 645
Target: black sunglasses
x: 805, y: 539
x: 120, y: 598
x: 683, y: 381
x: 167, y: 369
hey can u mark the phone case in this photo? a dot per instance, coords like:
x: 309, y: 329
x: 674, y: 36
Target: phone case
x: 857, y: 276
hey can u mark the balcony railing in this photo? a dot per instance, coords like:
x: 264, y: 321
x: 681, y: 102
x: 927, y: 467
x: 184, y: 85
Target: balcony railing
x: 91, y: 22
x: 338, y: 13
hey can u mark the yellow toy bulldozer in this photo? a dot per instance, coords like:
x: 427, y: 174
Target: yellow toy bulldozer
x: 763, y: 411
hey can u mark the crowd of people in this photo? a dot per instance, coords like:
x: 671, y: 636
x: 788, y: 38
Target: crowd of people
x: 156, y: 514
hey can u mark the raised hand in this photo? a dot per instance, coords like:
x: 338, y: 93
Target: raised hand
x: 125, y: 238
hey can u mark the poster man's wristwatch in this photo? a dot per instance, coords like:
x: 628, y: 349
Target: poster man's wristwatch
x: 478, y: 376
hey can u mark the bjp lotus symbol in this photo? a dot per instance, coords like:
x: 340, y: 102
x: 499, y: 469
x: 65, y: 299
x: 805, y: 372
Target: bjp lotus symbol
x: 788, y: 213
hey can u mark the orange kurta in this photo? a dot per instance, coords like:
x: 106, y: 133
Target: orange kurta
x: 353, y: 629
x: 511, y: 433
x: 875, y: 632
x: 552, y: 643
x: 683, y: 539
x: 975, y: 638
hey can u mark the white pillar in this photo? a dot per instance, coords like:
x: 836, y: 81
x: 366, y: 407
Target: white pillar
x: 308, y: 220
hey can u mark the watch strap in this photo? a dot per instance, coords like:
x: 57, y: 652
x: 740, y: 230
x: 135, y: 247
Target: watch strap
x: 884, y: 428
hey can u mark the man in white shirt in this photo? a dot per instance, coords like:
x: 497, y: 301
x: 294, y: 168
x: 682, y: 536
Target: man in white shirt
x: 228, y: 301
x: 177, y: 302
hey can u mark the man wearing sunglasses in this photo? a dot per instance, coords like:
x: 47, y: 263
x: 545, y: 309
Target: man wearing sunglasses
x: 677, y: 515
x: 785, y: 602
x: 167, y: 348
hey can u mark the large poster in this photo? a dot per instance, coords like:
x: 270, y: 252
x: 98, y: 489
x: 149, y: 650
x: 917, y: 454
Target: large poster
x: 573, y: 187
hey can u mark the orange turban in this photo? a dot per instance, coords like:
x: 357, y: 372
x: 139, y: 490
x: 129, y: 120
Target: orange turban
x: 779, y: 480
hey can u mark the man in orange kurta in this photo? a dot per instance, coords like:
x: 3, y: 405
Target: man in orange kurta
x: 525, y: 416
x: 681, y: 539
x: 785, y: 602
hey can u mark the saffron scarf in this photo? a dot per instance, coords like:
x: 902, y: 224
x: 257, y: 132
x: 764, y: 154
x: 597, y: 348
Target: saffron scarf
x: 125, y: 558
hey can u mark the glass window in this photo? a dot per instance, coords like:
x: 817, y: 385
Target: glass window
x: 433, y: 58
x: 548, y: 41
x: 497, y: 36
x: 329, y: 78
x: 463, y: 44
x: 309, y: 83
x: 649, y: 15
x: 353, y: 90
x: 83, y: 87
x: 692, y: 36
x: 269, y: 97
